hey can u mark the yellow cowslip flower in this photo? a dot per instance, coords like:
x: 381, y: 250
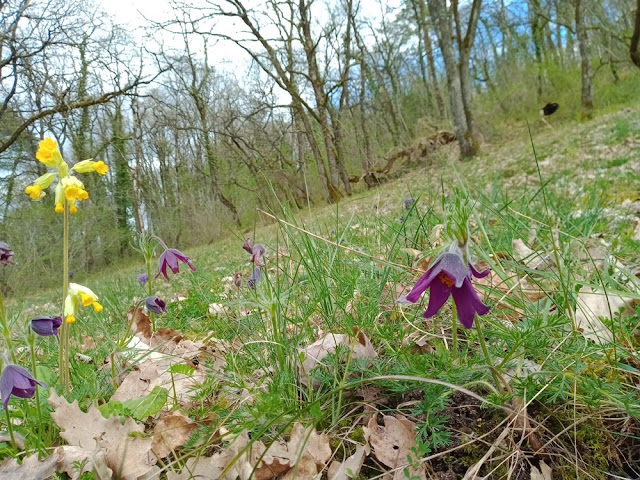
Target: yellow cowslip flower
x: 73, y: 208
x: 34, y: 191
x: 59, y: 207
x: 70, y: 318
x: 101, y: 167
x: 48, y: 153
x: 73, y: 189
x: 77, y: 295
x: 89, y: 165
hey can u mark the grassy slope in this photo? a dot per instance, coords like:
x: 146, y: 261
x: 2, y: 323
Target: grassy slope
x: 312, y: 287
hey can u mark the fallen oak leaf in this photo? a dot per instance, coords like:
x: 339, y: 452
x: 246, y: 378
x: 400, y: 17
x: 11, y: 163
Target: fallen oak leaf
x: 31, y: 468
x: 129, y: 457
x: 171, y: 432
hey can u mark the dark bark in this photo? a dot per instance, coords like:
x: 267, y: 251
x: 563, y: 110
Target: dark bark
x: 635, y: 38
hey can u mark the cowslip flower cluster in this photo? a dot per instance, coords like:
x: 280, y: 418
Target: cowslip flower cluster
x: 76, y: 296
x: 450, y: 275
x: 69, y: 187
x: 18, y: 381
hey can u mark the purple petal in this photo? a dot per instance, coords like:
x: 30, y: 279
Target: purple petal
x: 455, y: 266
x: 143, y: 278
x: 6, y: 385
x: 478, y: 274
x: 468, y: 303
x: 171, y: 260
x: 438, y: 295
x: 44, y: 326
x: 423, y: 283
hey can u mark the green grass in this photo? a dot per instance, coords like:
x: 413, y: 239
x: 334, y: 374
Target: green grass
x: 565, y: 201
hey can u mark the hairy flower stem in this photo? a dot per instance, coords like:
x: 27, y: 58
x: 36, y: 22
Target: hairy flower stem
x: 487, y: 357
x: 10, y: 428
x: 35, y: 375
x: 151, y: 314
x: 5, y: 328
x: 454, y: 331
x: 63, y: 359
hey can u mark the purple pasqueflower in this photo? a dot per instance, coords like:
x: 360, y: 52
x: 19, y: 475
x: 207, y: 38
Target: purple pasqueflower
x: 142, y: 278
x: 155, y: 304
x: 257, y: 254
x: 46, y: 326
x: 237, y: 279
x: 450, y: 275
x: 18, y: 381
x: 254, y: 278
x: 248, y: 244
x: 169, y: 258
x: 5, y: 254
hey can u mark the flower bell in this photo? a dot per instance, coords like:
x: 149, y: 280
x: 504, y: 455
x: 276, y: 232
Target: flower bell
x: 6, y: 254
x: 155, y: 304
x: 18, y: 381
x: 450, y: 275
x: 169, y: 258
x: 77, y: 295
x: 46, y: 326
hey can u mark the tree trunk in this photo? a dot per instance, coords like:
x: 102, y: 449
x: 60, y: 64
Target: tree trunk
x: 635, y: 39
x: 431, y: 63
x: 442, y: 23
x: 585, y: 62
x: 318, y: 91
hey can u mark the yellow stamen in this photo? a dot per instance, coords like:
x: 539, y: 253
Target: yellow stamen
x: 444, y: 278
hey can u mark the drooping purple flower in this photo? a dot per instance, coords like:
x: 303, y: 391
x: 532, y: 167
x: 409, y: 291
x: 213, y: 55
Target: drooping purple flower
x: 408, y: 203
x: 237, y: 279
x: 169, y: 258
x: 46, y: 326
x: 257, y: 254
x: 142, y: 278
x: 155, y: 304
x: 254, y: 278
x: 18, y: 381
x: 450, y: 275
x: 6, y: 254
x: 248, y: 244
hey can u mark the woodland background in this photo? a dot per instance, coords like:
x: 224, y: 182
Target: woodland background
x: 330, y: 103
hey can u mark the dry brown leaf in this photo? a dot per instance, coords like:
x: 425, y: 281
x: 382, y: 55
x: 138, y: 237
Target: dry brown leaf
x: 129, y: 457
x: 317, y: 351
x: 350, y: 468
x: 141, y: 323
x: 69, y: 456
x: 593, y: 305
x: 171, y: 432
x: 211, y: 468
x: 392, y: 438
x: 216, y: 308
x: 88, y: 343
x: 31, y: 468
x: 309, y: 441
x: 543, y: 473
x: 531, y: 258
x: 17, y: 436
